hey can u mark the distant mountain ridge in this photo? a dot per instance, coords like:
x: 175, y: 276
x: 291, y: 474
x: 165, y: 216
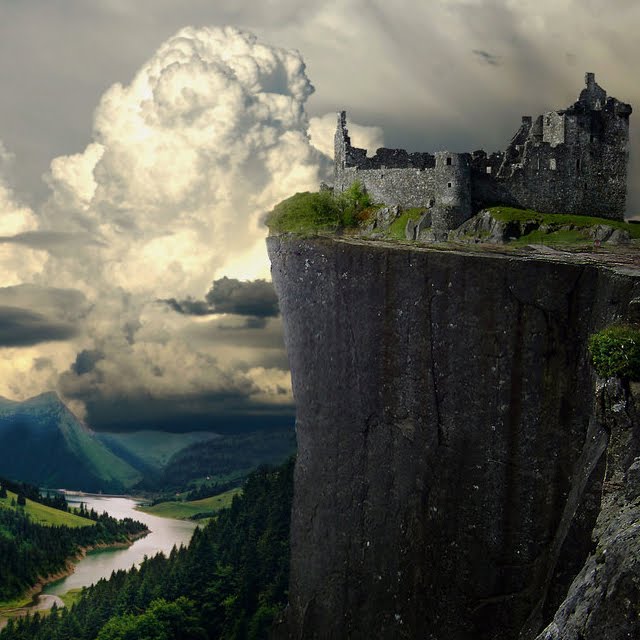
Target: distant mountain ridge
x: 43, y: 443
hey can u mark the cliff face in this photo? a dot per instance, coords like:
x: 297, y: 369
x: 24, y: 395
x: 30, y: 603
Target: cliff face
x: 450, y: 460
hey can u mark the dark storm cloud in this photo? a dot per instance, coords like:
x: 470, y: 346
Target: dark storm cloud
x: 22, y: 328
x: 251, y: 298
x: 255, y: 298
x: 86, y: 361
x: 218, y: 412
x: 486, y: 57
x: 50, y: 240
x: 66, y: 305
x: 189, y: 306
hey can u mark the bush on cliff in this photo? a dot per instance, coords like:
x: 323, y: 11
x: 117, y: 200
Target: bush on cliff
x: 320, y: 211
x: 615, y: 351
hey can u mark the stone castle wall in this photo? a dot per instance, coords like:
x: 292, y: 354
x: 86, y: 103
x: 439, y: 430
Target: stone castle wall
x: 568, y: 161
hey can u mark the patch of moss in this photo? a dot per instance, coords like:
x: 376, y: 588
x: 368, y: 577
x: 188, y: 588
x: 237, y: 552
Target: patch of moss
x: 397, y: 227
x: 562, y: 236
x: 615, y: 351
x: 510, y: 214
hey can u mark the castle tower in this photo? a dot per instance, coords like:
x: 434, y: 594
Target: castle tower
x: 593, y: 95
x: 453, y: 192
x: 341, y: 146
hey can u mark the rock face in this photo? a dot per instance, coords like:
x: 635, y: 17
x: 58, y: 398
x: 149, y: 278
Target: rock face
x: 450, y: 462
x: 603, y: 602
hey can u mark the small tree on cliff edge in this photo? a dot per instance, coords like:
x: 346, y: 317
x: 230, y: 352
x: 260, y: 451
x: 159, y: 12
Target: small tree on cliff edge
x: 615, y: 351
x: 21, y: 500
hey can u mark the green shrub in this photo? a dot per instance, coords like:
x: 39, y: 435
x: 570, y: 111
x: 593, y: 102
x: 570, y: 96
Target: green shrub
x: 351, y: 202
x: 615, y: 351
x: 305, y: 212
x: 321, y: 211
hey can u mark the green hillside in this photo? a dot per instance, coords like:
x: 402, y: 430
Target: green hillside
x: 41, y: 514
x: 43, y: 443
x: 185, y: 510
x: 153, y: 449
x: 226, y: 457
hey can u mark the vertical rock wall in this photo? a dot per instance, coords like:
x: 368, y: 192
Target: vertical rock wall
x: 444, y: 403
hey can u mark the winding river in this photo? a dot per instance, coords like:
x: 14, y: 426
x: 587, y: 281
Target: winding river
x: 165, y: 533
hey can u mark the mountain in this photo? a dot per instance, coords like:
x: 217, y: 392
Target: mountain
x: 42, y: 442
x: 228, y: 455
x: 151, y: 450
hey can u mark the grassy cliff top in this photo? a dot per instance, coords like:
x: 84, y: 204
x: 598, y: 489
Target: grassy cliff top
x: 511, y: 214
x: 321, y: 211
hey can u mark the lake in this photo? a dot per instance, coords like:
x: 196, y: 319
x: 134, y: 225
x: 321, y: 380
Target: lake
x: 165, y: 533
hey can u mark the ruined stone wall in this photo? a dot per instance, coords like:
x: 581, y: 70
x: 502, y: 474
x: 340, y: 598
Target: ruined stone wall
x: 580, y: 168
x: 569, y: 161
x: 406, y: 187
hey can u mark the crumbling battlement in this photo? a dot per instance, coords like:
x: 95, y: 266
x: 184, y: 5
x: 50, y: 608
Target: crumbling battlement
x: 568, y: 161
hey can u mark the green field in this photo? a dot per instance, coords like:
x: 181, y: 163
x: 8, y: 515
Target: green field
x: 42, y: 514
x: 186, y: 510
x: 71, y: 597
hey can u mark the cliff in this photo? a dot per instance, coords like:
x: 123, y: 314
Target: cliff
x: 450, y: 437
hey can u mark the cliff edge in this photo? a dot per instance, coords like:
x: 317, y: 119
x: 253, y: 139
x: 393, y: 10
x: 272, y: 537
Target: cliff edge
x: 451, y: 438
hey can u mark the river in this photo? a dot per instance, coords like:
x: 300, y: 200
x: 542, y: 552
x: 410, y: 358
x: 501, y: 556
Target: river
x: 165, y: 532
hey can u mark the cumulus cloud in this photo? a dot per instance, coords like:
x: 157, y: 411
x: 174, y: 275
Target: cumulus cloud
x: 16, y: 219
x: 184, y: 161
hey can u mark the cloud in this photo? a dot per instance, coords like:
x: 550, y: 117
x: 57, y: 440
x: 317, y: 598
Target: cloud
x: 22, y: 327
x: 86, y: 361
x: 486, y: 57
x: 52, y: 241
x: 184, y: 161
x: 255, y: 298
x: 15, y: 219
x: 322, y: 130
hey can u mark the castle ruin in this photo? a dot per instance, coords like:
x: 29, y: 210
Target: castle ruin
x: 570, y: 161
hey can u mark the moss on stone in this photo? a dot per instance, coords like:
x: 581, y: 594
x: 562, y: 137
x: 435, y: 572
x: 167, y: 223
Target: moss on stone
x: 397, y: 227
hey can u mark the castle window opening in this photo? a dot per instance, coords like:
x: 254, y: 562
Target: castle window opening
x: 578, y: 166
x: 488, y: 169
x: 552, y: 164
x: 449, y: 185
x: 449, y: 163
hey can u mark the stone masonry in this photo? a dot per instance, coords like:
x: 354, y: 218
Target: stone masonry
x: 569, y: 161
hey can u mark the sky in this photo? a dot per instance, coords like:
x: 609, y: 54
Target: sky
x: 141, y: 145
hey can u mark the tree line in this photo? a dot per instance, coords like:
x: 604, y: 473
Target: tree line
x: 30, y: 551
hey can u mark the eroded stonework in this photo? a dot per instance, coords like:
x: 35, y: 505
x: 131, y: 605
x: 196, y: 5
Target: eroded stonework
x: 569, y: 161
